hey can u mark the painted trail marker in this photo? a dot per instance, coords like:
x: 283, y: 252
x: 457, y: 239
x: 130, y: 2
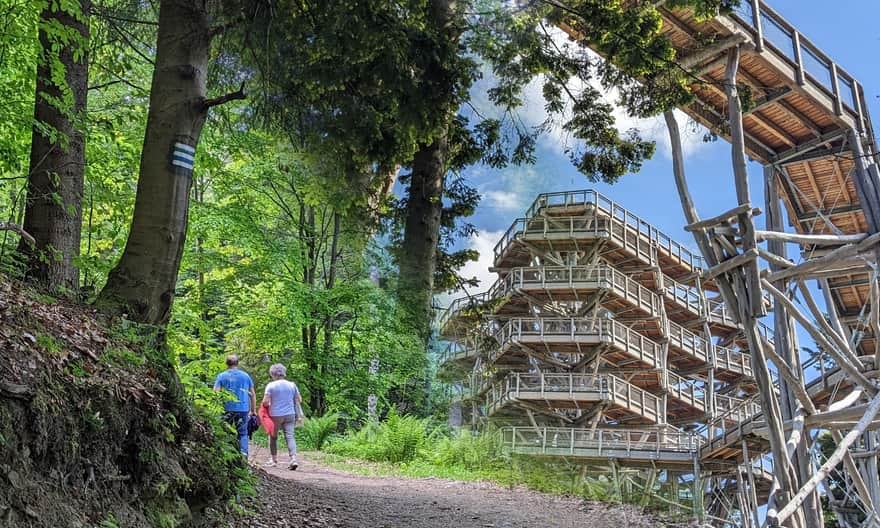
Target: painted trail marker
x: 183, y: 156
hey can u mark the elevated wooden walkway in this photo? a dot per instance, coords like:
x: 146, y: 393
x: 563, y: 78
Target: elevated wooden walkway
x: 808, y: 119
x: 626, y: 446
x: 578, y: 220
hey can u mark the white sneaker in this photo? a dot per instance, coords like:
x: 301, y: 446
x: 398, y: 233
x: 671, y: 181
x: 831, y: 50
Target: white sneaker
x: 270, y: 463
x: 293, y: 465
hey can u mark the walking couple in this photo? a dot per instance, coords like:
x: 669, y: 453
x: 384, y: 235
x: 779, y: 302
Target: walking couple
x: 280, y: 410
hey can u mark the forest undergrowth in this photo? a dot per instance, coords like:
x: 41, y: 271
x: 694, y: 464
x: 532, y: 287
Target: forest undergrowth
x: 408, y: 446
x: 96, y: 428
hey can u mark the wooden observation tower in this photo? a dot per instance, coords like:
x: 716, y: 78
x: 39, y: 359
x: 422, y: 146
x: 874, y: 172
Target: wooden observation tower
x: 606, y: 341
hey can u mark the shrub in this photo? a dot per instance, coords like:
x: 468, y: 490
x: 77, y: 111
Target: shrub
x: 398, y: 439
x: 315, y: 432
x: 468, y: 451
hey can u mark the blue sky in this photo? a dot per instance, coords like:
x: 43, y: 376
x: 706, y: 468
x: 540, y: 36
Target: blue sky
x: 848, y: 33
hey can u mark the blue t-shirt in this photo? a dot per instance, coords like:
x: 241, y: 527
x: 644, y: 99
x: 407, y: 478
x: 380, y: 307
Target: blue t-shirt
x: 239, y: 384
x: 281, y: 394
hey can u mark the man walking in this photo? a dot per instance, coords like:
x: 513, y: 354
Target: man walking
x: 244, y: 401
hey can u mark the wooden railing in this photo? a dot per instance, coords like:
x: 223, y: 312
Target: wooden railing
x: 732, y: 360
x: 695, y: 301
x: 690, y: 298
x: 457, y: 306
x: 686, y: 391
x: 456, y: 351
x: 690, y: 343
x: 620, y: 216
x: 597, y: 276
x: 554, y: 228
x: 572, y: 329
x: 812, y: 66
x: 741, y: 412
x: 575, y: 387
x: 599, y: 442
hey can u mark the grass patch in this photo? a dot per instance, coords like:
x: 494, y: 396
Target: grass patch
x: 417, y: 448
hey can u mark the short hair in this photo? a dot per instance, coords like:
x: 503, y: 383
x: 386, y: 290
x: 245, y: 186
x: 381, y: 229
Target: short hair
x: 278, y: 370
x: 231, y: 360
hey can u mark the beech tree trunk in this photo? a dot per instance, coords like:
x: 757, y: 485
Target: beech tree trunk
x: 53, y: 211
x: 142, y: 283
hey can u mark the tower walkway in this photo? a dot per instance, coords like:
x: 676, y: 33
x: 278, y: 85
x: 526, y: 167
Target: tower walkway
x: 809, y: 121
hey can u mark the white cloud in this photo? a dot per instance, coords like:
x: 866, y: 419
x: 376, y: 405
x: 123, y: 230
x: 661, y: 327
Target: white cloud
x: 484, y: 242
x: 533, y: 113
x: 503, y: 201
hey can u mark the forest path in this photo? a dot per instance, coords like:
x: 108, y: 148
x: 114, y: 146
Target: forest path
x: 318, y: 496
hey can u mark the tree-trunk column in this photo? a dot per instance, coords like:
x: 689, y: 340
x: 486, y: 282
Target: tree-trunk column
x: 53, y: 214
x: 142, y: 283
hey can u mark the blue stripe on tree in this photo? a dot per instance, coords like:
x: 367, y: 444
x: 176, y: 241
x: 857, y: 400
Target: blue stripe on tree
x: 183, y: 156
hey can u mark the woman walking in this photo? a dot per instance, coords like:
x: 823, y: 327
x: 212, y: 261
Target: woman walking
x: 283, y: 400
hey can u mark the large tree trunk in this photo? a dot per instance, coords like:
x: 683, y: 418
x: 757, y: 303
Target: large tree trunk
x: 53, y: 214
x: 142, y: 283
x: 421, y: 236
x: 422, y: 233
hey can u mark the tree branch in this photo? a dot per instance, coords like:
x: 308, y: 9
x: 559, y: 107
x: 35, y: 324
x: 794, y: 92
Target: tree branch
x: 232, y: 96
x: 9, y: 226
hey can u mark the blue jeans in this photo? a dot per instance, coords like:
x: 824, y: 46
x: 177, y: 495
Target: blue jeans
x: 239, y: 421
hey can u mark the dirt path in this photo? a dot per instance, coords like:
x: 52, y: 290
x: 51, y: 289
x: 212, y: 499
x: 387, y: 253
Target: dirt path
x: 318, y: 496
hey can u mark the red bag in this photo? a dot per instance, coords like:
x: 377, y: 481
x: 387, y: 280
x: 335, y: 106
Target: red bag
x: 266, y: 420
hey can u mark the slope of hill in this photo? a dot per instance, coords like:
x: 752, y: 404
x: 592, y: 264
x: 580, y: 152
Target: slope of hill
x: 95, y: 429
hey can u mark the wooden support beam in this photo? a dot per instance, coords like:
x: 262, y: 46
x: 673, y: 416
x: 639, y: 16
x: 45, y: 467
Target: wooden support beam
x: 801, y: 117
x: 724, y: 217
x: 772, y: 97
x: 816, y: 240
x: 819, y: 316
x: 775, y: 259
x: 714, y: 121
x: 541, y: 253
x: 868, y: 194
x: 762, y: 121
x: 741, y: 179
x: 830, y: 463
x: 730, y: 264
x: 793, y: 152
x: 834, y: 211
x: 839, y: 356
x: 707, y: 52
x: 829, y: 261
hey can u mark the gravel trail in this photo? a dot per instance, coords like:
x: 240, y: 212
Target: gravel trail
x: 317, y: 496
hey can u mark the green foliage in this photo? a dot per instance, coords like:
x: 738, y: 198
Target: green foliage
x: 316, y: 432
x: 108, y: 522
x: 49, y: 343
x: 437, y: 452
x: 398, y: 439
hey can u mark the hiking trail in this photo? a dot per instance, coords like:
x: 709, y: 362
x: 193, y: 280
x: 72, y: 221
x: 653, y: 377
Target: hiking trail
x: 318, y: 496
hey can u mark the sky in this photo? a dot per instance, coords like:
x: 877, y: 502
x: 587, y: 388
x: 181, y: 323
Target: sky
x: 848, y: 33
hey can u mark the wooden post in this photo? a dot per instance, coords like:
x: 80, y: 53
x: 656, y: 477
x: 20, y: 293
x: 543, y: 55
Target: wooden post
x: 748, y: 290
x: 798, y: 58
x: 756, y: 22
x: 832, y: 461
x: 741, y: 179
x: 863, y: 184
x: 785, y: 345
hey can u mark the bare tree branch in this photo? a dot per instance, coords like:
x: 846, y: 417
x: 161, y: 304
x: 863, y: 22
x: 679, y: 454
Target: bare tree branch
x: 232, y: 96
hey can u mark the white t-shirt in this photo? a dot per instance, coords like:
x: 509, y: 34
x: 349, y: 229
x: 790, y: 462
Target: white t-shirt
x: 281, y: 397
